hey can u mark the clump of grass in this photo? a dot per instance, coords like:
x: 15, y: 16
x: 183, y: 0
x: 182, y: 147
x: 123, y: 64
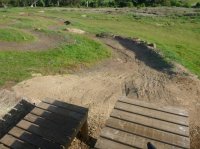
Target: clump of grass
x: 13, y: 35
x: 33, y: 22
x: 16, y: 66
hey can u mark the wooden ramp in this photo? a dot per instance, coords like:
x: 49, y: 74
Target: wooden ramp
x: 50, y: 125
x: 133, y: 123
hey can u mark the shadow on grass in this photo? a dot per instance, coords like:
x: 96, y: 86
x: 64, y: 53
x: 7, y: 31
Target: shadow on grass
x: 147, y: 55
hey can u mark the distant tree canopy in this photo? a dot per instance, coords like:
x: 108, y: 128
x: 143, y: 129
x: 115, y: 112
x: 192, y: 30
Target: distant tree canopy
x: 94, y: 3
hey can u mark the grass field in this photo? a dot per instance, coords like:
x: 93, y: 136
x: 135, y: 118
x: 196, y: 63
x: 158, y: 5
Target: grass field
x: 17, y: 66
x: 9, y: 34
x: 177, y: 37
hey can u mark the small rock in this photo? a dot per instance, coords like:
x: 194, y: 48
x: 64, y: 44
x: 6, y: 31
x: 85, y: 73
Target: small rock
x: 152, y: 45
x: 36, y: 75
x: 37, y: 29
x: 74, y: 30
x: 103, y: 35
x: 67, y: 22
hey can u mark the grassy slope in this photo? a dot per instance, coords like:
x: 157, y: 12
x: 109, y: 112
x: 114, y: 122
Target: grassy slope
x: 177, y: 37
x: 16, y: 66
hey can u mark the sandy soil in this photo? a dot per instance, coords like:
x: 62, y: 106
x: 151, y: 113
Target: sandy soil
x: 133, y: 71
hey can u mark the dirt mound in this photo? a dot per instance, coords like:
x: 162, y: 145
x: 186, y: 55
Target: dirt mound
x: 128, y: 73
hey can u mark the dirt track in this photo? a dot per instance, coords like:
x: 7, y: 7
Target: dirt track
x: 133, y: 71
x: 42, y: 42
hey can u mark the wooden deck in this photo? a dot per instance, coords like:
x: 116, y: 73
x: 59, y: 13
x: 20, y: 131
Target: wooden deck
x: 133, y: 123
x: 50, y: 125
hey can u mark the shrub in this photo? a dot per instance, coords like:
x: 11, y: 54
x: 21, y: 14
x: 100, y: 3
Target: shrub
x: 197, y: 5
x: 93, y: 4
x: 129, y: 4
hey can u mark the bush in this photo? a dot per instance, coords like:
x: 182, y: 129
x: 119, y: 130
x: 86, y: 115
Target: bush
x: 197, y: 5
x: 93, y: 4
x: 111, y: 4
x: 129, y: 4
x: 187, y: 5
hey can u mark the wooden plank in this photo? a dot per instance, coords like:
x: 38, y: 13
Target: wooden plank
x: 43, y: 132
x: 51, y: 125
x: 3, y: 146
x: 33, y: 139
x: 58, y: 119
x: 153, y: 123
x: 172, y: 110
x: 62, y: 129
x: 103, y: 143
x: 65, y: 105
x: 132, y: 140
x: 149, y: 133
x: 61, y: 120
x: 61, y: 111
x: 152, y: 113
x: 15, y: 143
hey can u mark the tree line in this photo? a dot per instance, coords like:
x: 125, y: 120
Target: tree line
x: 93, y: 3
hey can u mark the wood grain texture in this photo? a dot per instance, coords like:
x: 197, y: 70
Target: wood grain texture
x: 132, y: 124
x: 152, y: 113
x: 154, y: 123
x: 3, y: 146
x: 33, y: 139
x: 148, y: 132
x: 16, y: 143
x: 50, y: 125
x: 169, y: 109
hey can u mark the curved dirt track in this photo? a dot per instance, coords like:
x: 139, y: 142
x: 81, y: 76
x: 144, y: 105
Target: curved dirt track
x: 42, y: 42
x: 133, y: 71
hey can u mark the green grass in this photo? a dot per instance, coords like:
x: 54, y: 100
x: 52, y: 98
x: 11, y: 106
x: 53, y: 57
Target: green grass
x: 193, y: 2
x: 16, y: 66
x: 13, y: 35
x: 177, y: 37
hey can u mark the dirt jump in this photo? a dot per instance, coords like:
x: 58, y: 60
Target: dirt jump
x: 135, y: 71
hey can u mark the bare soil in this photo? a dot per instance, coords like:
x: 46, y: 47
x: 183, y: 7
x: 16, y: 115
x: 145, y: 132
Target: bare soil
x: 42, y: 42
x: 135, y: 71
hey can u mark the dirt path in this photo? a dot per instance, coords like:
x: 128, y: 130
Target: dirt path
x: 42, y: 42
x: 133, y: 71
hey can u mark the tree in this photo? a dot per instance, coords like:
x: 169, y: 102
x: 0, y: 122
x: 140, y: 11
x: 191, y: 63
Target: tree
x: 4, y: 3
x: 124, y: 3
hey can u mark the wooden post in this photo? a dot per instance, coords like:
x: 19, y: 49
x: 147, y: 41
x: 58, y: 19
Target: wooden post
x: 84, y: 132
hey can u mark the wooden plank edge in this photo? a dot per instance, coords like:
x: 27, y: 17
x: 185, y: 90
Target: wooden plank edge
x: 150, y: 126
x: 160, y: 119
x: 81, y: 111
x: 163, y: 109
x: 164, y: 142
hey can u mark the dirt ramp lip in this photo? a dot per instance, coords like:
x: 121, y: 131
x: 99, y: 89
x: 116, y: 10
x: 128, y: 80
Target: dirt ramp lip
x: 147, y: 55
